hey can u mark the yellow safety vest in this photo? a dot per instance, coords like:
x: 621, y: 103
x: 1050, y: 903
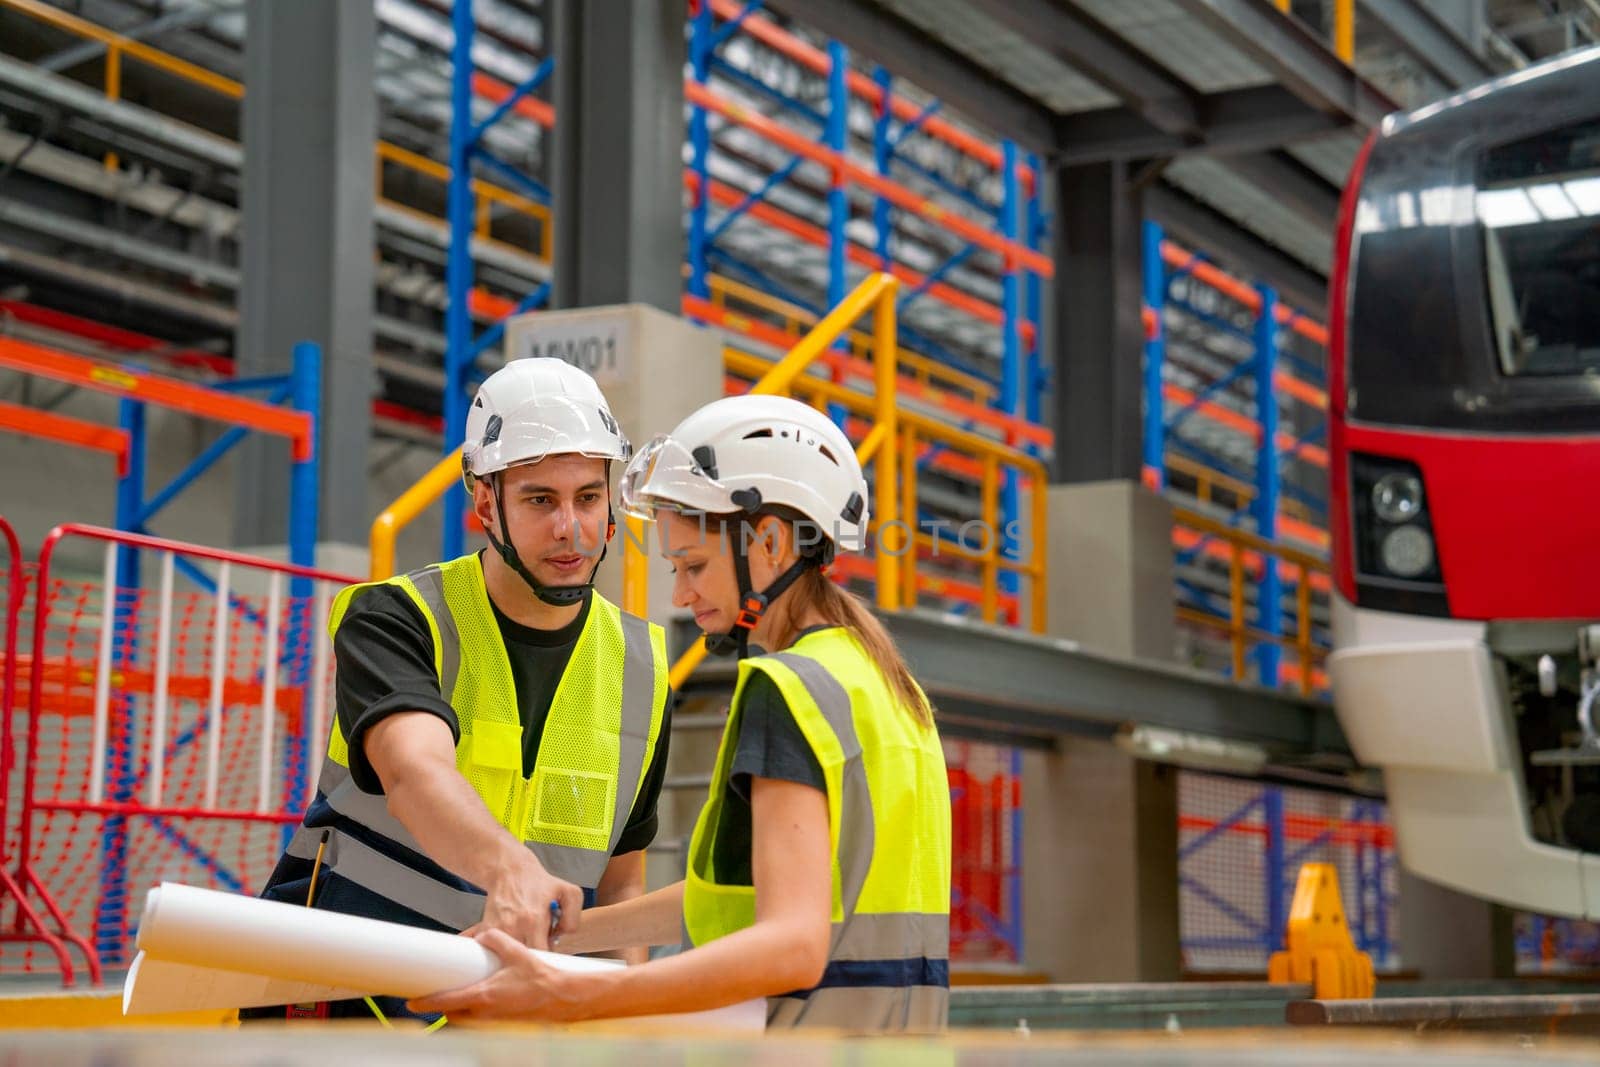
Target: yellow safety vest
x: 598, y: 740
x: 889, y: 829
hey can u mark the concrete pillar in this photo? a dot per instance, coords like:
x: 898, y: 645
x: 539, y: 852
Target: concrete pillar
x: 1100, y: 828
x: 309, y: 126
x: 1444, y: 934
x: 1099, y: 336
x: 618, y: 164
x: 1111, y: 580
x: 1100, y: 865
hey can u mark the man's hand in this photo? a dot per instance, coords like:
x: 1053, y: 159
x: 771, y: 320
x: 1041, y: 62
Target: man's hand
x: 520, y: 895
x: 414, y: 755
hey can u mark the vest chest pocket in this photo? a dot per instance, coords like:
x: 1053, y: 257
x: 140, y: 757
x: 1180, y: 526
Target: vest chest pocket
x: 572, y: 807
x: 490, y: 758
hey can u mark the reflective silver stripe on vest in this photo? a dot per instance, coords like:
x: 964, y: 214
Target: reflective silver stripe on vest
x: 892, y: 936
x: 453, y: 908
x: 429, y: 582
x: 879, y: 1009
x: 865, y: 937
x: 857, y: 840
x: 369, y: 809
x: 638, y: 709
x: 581, y: 866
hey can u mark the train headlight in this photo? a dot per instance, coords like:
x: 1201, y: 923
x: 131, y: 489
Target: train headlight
x: 1406, y: 552
x: 1397, y: 497
x: 1397, y: 554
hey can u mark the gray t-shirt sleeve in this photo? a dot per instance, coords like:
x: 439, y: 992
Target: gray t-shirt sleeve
x: 770, y: 742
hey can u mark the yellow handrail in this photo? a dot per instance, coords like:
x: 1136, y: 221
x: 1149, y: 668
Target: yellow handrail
x: 875, y: 293
x: 1248, y: 540
x: 486, y: 192
x: 1344, y: 27
x: 973, y: 453
x: 1208, y: 480
x: 115, y: 41
x: 408, y: 506
x: 1237, y: 624
x: 927, y: 371
x: 635, y: 589
x: 826, y: 332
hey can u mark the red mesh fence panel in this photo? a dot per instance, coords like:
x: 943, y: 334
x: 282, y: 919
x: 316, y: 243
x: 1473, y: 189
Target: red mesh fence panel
x: 986, y: 853
x: 1241, y: 846
x: 175, y: 733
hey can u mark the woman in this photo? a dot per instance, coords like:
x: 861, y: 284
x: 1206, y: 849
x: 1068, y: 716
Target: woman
x: 819, y: 869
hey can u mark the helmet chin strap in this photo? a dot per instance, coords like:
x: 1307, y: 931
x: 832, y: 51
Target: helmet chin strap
x: 559, y: 596
x: 752, y: 605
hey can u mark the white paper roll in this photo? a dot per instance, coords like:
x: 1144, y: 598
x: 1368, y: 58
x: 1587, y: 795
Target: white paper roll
x: 157, y: 986
x: 201, y: 949
x: 204, y: 928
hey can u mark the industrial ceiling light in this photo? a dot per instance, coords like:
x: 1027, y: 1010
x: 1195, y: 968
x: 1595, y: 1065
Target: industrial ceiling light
x: 1192, y: 751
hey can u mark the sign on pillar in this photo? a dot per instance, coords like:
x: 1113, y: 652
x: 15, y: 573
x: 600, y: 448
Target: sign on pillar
x: 654, y: 368
x: 598, y: 343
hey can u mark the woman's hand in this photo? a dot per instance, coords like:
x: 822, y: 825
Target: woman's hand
x: 524, y: 987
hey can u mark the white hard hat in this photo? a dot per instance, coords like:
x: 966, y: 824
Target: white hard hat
x: 533, y: 408
x: 742, y: 453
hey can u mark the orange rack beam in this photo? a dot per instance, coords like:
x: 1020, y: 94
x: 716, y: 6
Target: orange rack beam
x: 67, y: 688
x: 1185, y: 538
x: 794, y: 226
x: 67, y: 430
x: 845, y: 168
x: 864, y: 569
x: 1304, y: 828
x: 808, y: 56
x: 45, y: 362
x: 957, y: 407
x: 496, y: 91
x: 814, y: 59
x: 1301, y: 390
x: 1225, y: 283
x: 1314, y: 454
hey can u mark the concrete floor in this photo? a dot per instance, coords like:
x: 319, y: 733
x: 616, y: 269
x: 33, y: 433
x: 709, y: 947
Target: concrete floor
x: 360, y: 1045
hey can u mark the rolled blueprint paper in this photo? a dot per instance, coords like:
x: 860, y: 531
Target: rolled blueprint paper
x: 187, y: 934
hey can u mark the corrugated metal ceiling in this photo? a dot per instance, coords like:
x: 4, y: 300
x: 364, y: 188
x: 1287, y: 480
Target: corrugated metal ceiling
x: 1188, y: 48
x: 1006, y: 54
x: 1255, y: 209
x: 1330, y: 156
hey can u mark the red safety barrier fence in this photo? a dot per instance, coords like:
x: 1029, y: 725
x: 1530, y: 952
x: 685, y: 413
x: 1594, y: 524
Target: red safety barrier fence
x: 986, y: 854
x: 166, y: 732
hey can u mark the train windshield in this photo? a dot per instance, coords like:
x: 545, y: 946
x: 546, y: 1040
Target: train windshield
x: 1538, y: 200
x: 1475, y: 302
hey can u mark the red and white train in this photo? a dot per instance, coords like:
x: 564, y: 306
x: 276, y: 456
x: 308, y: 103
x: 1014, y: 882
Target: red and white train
x: 1465, y: 498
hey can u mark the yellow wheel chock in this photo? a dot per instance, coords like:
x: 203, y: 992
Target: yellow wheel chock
x: 1320, y: 950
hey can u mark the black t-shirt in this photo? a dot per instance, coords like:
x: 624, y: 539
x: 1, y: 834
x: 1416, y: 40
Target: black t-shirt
x: 383, y: 652
x: 770, y: 745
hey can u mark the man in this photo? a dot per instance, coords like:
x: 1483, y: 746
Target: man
x: 501, y: 729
